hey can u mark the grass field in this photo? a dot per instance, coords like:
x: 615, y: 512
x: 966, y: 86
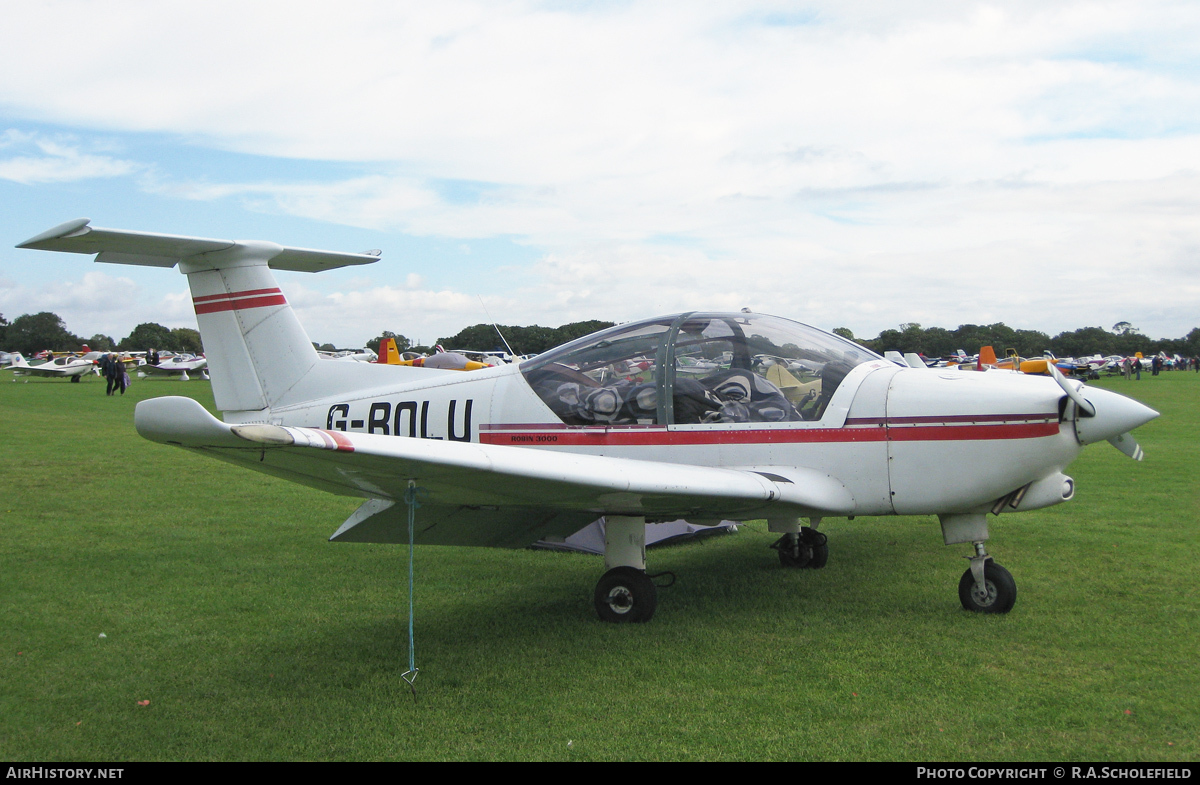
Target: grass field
x: 252, y: 638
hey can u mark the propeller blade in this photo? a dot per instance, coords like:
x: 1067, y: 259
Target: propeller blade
x: 1085, y: 407
x: 1126, y: 444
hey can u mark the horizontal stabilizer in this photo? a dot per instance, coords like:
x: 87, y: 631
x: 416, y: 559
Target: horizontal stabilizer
x: 117, y: 246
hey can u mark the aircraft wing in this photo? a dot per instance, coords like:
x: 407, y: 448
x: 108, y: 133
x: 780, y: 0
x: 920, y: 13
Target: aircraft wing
x: 478, y: 494
x: 34, y: 370
x: 154, y: 370
x: 53, y: 371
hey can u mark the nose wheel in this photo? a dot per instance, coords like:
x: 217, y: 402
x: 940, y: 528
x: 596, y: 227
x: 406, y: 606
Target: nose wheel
x: 995, y: 593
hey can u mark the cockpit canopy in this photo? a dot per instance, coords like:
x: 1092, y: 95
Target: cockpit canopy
x: 695, y: 368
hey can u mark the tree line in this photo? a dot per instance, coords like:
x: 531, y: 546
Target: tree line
x: 32, y: 333
x: 534, y: 339
x: 1123, y: 339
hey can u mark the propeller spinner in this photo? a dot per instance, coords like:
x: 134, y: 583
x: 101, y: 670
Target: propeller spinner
x: 1105, y: 415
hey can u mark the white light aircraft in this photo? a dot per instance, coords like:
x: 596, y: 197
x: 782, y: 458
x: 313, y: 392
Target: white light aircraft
x: 177, y: 365
x: 350, y: 355
x: 607, y: 425
x: 66, y: 367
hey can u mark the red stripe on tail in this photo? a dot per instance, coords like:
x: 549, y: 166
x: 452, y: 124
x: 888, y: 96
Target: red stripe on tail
x: 237, y: 301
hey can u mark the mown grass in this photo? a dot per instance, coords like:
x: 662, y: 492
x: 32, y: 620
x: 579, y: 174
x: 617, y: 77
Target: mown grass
x: 253, y: 638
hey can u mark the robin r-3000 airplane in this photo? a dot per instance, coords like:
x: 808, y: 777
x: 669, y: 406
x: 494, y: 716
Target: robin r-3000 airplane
x: 608, y: 425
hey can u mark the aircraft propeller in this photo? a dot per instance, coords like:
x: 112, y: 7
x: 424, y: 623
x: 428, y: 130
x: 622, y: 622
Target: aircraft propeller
x: 1126, y: 444
x: 1113, y: 421
x: 1086, y: 409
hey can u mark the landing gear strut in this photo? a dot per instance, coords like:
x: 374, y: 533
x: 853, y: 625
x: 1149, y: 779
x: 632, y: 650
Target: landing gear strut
x: 986, y: 587
x: 625, y: 593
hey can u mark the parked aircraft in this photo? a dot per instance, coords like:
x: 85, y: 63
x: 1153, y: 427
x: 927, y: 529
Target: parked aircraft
x: 442, y: 358
x: 65, y: 367
x: 351, y: 355
x: 606, y: 425
x: 181, y: 365
x: 389, y: 353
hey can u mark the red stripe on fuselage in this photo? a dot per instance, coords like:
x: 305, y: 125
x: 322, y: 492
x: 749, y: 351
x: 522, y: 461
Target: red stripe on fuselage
x: 935, y: 433
x: 982, y: 428
x: 237, y: 301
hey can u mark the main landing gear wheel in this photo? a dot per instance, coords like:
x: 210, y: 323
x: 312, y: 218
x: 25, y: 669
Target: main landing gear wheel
x: 75, y: 378
x: 625, y: 594
x: 808, y: 549
x: 997, y: 595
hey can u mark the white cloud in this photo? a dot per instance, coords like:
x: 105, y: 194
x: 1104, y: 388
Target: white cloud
x: 95, y: 302
x: 849, y: 164
x: 54, y: 160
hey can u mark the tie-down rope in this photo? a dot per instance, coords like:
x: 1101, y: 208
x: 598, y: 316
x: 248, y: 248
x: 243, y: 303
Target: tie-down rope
x: 410, y: 499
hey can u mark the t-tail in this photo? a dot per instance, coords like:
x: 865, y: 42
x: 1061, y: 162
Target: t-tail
x: 259, y: 355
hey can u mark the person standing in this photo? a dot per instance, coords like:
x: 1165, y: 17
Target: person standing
x: 105, y: 363
x: 113, y: 372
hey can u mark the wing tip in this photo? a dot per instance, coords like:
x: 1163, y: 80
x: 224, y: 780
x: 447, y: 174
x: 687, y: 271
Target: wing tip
x: 65, y: 229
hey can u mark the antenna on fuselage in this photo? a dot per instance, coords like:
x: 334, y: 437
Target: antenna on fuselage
x: 489, y: 316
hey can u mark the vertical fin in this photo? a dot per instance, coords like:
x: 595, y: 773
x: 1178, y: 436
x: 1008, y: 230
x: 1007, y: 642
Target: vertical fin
x: 256, y: 348
x: 388, y: 355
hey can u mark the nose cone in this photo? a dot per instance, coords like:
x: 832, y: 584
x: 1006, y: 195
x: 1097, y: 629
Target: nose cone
x: 1115, y: 415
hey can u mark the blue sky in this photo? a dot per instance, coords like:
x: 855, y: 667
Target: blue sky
x: 846, y: 164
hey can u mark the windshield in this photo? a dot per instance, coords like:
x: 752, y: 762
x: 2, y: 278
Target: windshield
x: 695, y: 368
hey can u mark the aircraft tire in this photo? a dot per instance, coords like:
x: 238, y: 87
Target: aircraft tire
x: 820, y: 547
x: 813, y: 552
x: 1001, y: 590
x: 625, y: 595
x: 74, y: 378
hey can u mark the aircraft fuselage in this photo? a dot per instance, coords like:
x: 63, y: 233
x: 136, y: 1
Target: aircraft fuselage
x: 903, y: 441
